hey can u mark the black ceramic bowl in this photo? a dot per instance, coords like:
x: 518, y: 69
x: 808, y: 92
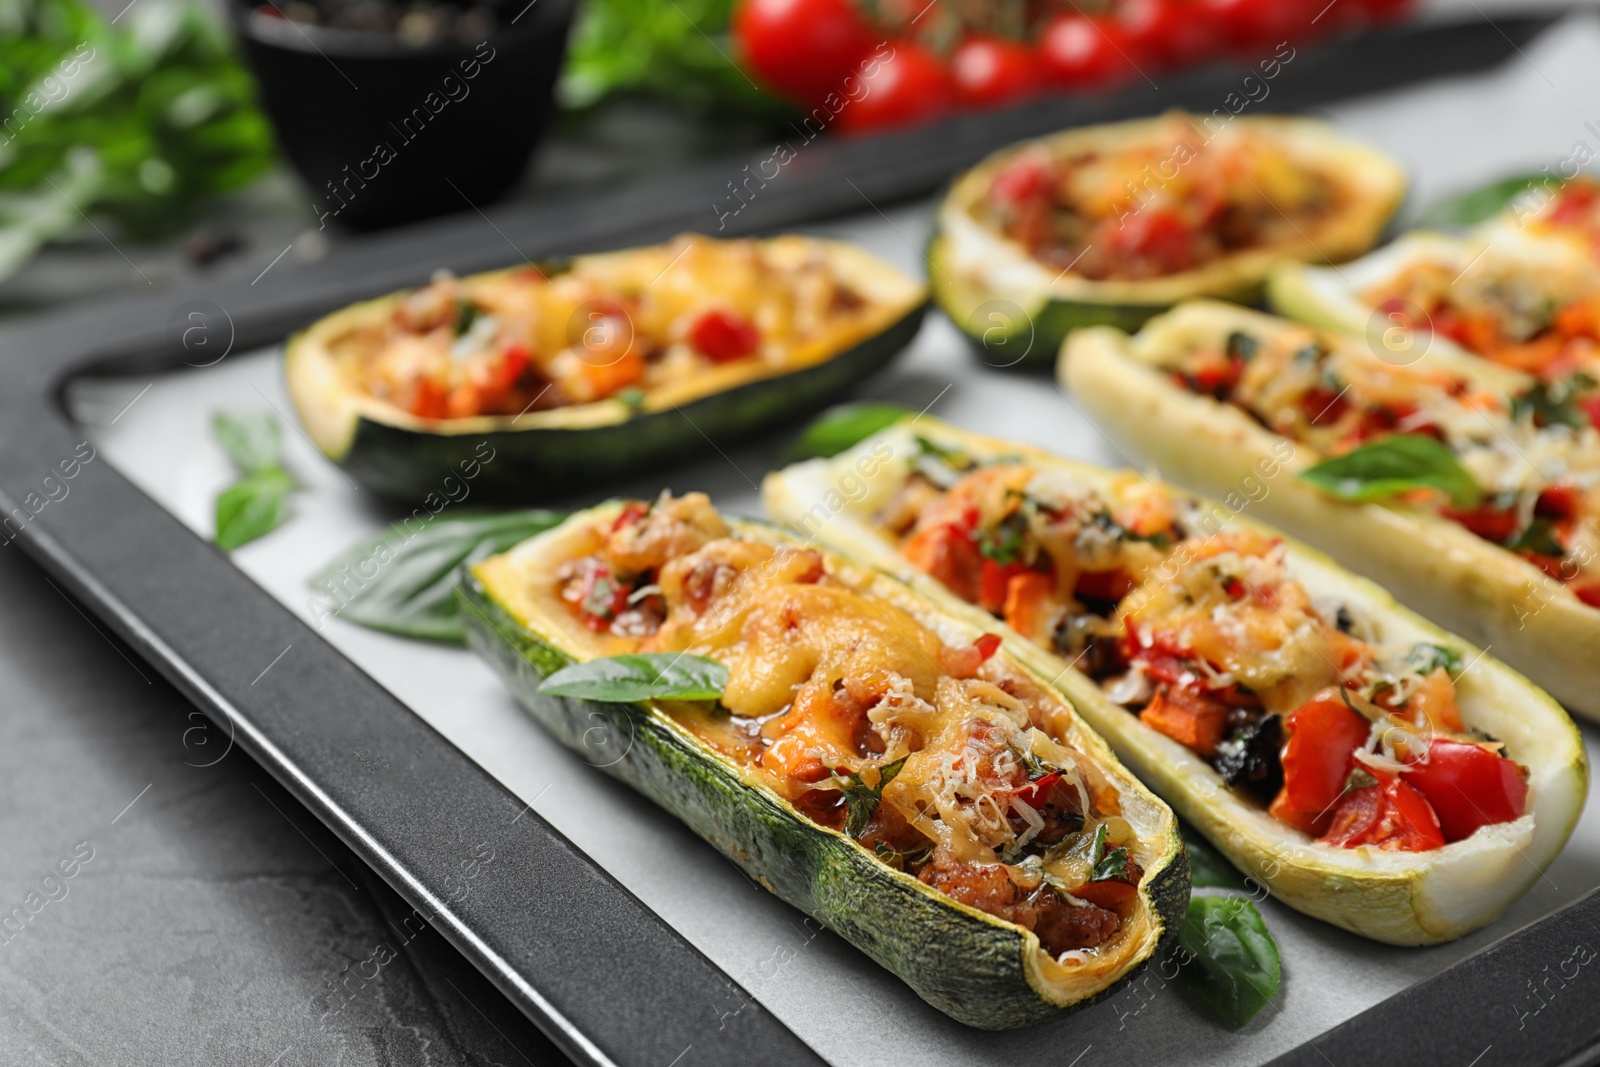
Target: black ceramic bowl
x: 384, y: 132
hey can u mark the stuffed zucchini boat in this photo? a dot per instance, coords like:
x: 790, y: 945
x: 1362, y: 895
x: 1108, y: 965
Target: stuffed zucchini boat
x: 1366, y: 767
x: 1468, y: 489
x: 1521, y: 300
x: 1113, y: 224
x: 871, y: 760
x: 549, y: 378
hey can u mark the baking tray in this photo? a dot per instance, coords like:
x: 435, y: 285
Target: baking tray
x: 585, y: 958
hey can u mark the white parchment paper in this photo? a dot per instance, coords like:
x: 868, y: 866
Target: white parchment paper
x: 1535, y: 111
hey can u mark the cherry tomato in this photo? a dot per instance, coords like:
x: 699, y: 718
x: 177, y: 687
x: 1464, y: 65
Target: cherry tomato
x: 1488, y: 521
x: 802, y: 48
x: 1158, y: 239
x: 1317, y: 758
x: 1390, y: 816
x: 1088, y: 52
x: 724, y: 336
x: 902, y: 85
x: 989, y: 72
x: 1469, y: 787
x: 1258, y: 25
x: 1170, y: 30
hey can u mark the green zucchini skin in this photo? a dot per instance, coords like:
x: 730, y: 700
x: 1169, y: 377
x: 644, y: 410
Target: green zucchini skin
x: 1030, y: 340
x: 962, y: 962
x: 539, y: 464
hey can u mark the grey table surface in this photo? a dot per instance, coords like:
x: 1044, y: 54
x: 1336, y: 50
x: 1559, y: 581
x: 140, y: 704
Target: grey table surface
x: 208, y: 919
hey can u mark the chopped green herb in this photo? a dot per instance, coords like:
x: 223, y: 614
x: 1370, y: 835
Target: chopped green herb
x: 1424, y: 658
x: 861, y: 800
x: 1554, y: 403
x: 1005, y: 542
x: 1538, y: 537
x: 631, y: 398
x: 1242, y: 346
x: 466, y: 314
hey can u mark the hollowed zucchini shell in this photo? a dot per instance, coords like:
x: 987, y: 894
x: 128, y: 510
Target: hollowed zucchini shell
x: 1399, y: 898
x: 1438, y: 567
x: 1016, y: 311
x: 978, y: 969
x: 542, y: 454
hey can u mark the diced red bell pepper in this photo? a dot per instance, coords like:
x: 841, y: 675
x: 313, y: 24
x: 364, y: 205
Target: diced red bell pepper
x: 1468, y: 786
x: 1558, y: 502
x: 1317, y: 758
x: 1024, y: 180
x: 1189, y: 717
x: 724, y: 336
x: 1026, y: 595
x: 1035, y: 793
x: 950, y: 556
x: 1488, y: 522
x: 1390, y: 815
x: 993, y: 582
x: 964, y: 662
x: 632, y: 512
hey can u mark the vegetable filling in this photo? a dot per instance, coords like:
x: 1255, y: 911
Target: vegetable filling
x: 942, y: 761
x: 1520, y: 469
x: 1210, y: 641
x: 1170, y: 204
x: 617, y: 326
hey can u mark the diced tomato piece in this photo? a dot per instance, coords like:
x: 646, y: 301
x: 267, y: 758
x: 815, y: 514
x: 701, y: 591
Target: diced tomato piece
x: 950, y: 556
x: 1591, y: 407
x: 432, y: 400
x: 1589, y: 594
x: 602, y: 598
x: 1317, y: 758
x: 1559, y: 502
x: 1106, y: 893
x: 1035, y: 793
x: 992, y: 585
x: 1026, y: 594
x: 724, y: 336
x: 1574, y: 203
x: 632, y: 512
x: 1390, y: 815
x: 1159, y: 239
x: 1468, y: 786
x: 1323, y: 407
x: 1189, y: 717
x: 1023, y: 180
x: 964, y: 662
x: 1104, y: 585
x: 1488, y: 522
x: 512, y: 365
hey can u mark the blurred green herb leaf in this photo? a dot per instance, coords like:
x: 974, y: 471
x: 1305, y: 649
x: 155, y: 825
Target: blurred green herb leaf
x: 842, y: 427
x: 1207, y: 866
x: 1474, y: 206
x: 258, y: 502
x: 403, y: 581
x: 139, y: 123
x: 1392, y: 465
x: 628, y: 679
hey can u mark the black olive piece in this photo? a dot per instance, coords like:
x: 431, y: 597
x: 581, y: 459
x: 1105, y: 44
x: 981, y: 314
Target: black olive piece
x: 1250, y: 759
x: 1096, y: 654
x: 1344, y: 620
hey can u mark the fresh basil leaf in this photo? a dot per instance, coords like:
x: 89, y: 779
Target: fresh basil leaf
x: 250, y: 438
x: 861, y: 800
x: 1393, y: 465
x: 1476, y: 205
x: 1538, y: 537
x: 1005, y: 542
x: 1207, y: 866
x: 640, y: 676
x: 1114, y: 864
x: 403, y: 581
x: 841, y: 428
x: 253, y: 506
x: 1233, y: 967
x: 1425, y: 658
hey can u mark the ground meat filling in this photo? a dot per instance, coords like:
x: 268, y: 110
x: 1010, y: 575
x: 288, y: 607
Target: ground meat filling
x: 1060, y: 925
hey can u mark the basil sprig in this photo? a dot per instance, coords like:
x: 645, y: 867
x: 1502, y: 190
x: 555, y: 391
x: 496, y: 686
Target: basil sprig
x: 1475, y: 205
x: 1393, y: 465
x: 842, y: 427
x: 1232, y: 964
x: 403, y: 581
x: 630, y: 678
x: 258, y: 502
